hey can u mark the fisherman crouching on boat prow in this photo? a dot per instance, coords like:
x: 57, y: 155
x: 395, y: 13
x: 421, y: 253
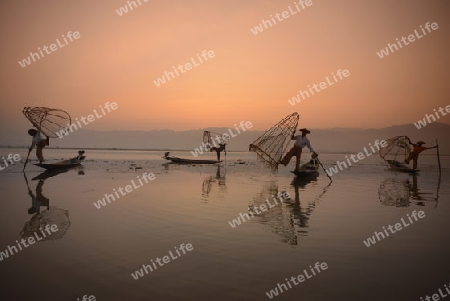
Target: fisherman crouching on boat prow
x: 300, y: 142
x: 39, y: 142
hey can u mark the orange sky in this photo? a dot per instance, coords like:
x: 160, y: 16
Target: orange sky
x: 251, y: 77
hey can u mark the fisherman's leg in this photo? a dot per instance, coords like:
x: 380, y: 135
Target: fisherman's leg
x: 415, y: 157
x: 39, y: 148
x: 39, y: 154
x: 218, y: 155
x: 409, y: 158
x: 287, y: 158
x: 298, y: 155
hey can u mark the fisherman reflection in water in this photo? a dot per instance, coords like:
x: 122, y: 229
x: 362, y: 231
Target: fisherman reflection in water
x: 39, y: 142
x: 417, y: 149
x: 38, y: 200
x: 300, y: 142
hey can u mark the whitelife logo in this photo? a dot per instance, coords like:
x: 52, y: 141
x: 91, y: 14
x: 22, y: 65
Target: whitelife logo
x: 110, y: 197
x: 11, y: 158
x: 166, y: 259
x: 243, y: 217
x: 423, y: 123
x: 31, y: 240
x: 221, y: 139
x: 265, y: 24
x: 86, y: 298
x: 319, y: 87
x: 71, y: 36
x: 90, y: 118
x: 319, y: 267
x: 188, y: 66
x: 371, y: 240
x: 124, y: 9
x: 411, y: 38
x: 378, y: 144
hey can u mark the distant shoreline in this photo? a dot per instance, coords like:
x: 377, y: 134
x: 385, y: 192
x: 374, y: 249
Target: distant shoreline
x: 185, y: 150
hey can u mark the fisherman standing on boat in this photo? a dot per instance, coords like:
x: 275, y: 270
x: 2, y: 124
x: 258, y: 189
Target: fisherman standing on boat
x: 300, y: 142
x: 39, y: 142
x: 218, y: 150
x: 417, y: 149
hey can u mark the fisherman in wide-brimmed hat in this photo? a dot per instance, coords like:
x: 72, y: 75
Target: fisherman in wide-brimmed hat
x: 300, y: 142
x: 417, y: 149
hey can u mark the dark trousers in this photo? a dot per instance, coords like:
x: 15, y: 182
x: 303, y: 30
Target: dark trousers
x: 412, y: 156
x: 295, y: 151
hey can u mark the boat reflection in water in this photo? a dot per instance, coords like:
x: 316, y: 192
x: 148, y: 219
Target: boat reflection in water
x: 403, y: 192
x: 42, y: 213
x: 289, y: 219
x: 209, y: 181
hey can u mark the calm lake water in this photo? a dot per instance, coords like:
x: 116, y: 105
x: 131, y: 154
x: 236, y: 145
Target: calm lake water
x: 95, y: 251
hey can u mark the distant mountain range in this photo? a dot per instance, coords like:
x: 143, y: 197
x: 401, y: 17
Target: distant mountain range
x: 323, y: 140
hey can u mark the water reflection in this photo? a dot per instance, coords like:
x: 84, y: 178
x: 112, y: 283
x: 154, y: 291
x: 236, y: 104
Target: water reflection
x: 289, y: 219
x: 401, y: 192
x: 302, y: 182
x: 208, y: 183
x: 42, y: 213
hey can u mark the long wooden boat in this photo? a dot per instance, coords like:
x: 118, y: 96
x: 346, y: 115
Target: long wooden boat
x: 309, y: 169
x: 397, y: 166
x: 65, y: 164
x: 187, y: 161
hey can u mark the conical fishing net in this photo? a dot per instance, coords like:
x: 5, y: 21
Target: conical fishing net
x: 396, y: 151
x: 53, y: 216
x: 48, y: 121
x: 271, y: 146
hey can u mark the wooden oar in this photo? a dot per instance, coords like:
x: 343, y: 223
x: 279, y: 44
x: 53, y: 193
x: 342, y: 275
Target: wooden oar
x: 439, y: 158
x: 26, y: 161
x: 324, y: 169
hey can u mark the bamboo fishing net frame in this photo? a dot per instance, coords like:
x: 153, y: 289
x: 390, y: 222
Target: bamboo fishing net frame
x: 48, y: 121
x: 271, y: 146
x: 395, y: 145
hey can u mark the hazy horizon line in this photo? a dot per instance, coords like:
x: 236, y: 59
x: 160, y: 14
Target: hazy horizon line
x: 176, y: 150
x: 256, y: 130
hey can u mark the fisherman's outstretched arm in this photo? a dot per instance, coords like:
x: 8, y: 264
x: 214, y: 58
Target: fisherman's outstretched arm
x: 308, y: 144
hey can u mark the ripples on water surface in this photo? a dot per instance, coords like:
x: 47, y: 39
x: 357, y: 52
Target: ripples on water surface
x: 100, y: 248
